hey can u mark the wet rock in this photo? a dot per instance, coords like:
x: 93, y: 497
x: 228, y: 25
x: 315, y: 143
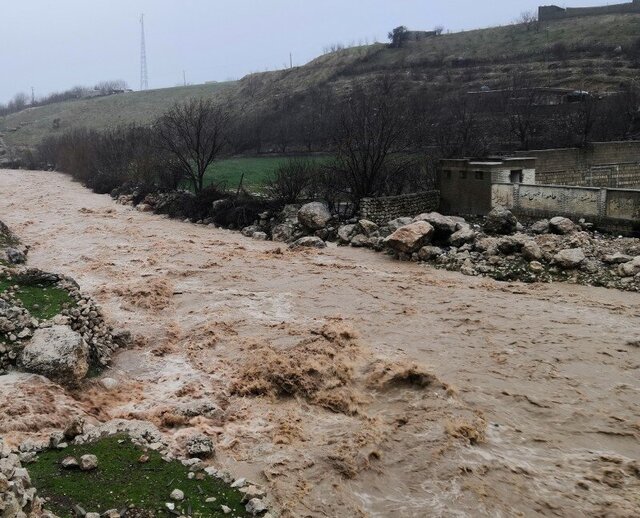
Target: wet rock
x: 536, y: 266
x: 346, y: 232
x: 88, y: 462
x: 443, y: 225
x: 249, y: 231
x: 70, y: 463
x: 282, y: 232
x: 259, y: 236
x: 630, y: 268
x: 500, y: 221
x: 256, y: 507
x: 617, y: 258
x: 57, y: 353
x: 410, y: 238
x: 308, y: 242
x: 562, y: 226
x: 200, y: 446
x: 109, y: 383
x: 462, y: 236
x: 570, y: 258
x: 540, y: 227
x: 367, y: 227
x: 361, y: 241
x: 314, y: 216
x: 397, y: 223
x: 177, y: 495
x: 428, y: 253
x: 15, y: 256
x: 74, y: 428
x: 531, y: 251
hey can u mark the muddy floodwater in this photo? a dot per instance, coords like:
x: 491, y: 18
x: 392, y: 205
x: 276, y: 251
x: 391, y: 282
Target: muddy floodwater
x: 348, y: 383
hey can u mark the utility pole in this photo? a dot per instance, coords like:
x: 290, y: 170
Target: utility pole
x: 33, y: 96
x: 290, y: 60
x: 144, y: 78
x: 184, y: 77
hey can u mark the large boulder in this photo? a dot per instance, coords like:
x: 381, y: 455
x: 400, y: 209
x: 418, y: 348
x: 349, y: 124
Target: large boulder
x: 531, y: 251
x: 443, y: 225
x: 410, y: 238
x: 500, y: 221
x: 570, y: 258
x: 314, y: 216
x: 562, y: 226
x: 57, y: 353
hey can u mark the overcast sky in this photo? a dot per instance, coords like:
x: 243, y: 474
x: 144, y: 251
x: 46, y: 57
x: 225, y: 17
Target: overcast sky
x: 56, y: 44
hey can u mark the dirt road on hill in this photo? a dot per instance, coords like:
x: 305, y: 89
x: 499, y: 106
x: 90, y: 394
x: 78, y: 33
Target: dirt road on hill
x: 348, y: 383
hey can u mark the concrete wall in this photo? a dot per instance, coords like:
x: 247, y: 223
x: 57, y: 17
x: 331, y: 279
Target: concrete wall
x: 381, y: 210
x: 609, y: 209
x: 601, y: 164
x: 552, y: 12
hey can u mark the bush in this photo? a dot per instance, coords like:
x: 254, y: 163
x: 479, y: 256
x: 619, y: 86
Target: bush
x: 290, y: 180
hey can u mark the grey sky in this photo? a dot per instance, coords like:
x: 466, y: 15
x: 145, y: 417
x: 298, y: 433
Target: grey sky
x: 56, y: 44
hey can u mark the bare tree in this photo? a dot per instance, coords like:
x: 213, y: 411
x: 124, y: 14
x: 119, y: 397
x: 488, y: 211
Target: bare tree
x: 528, y: 19
x: 194, y: 133
x: 371, y: 133
x: 290, y: 180
x: 521, y: 100
x: 108, y: 87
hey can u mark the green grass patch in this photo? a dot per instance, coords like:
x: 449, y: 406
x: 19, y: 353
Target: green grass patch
x: 41, y: 300
x: 120, y: 481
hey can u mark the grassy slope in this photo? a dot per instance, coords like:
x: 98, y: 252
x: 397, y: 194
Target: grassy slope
x: 499, y: 50
x: 99, y: 113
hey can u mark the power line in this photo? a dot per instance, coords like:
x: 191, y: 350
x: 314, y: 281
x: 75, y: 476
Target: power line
x: 144, y: 78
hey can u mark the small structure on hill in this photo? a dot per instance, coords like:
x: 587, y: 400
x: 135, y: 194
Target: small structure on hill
x: 553, y: 12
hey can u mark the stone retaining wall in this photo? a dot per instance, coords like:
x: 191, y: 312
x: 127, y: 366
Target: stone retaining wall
x: 601, y: 164
x: 381, y: 210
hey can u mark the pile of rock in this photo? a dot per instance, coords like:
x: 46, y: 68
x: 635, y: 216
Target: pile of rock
x: 556, y: 249
x: 62, y: 348
x: 17, y: 497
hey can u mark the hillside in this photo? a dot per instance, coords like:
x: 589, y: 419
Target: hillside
x: 595, y: 53
x: 29, y: 126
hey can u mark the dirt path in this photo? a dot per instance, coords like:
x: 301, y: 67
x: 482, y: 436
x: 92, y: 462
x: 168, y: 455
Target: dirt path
x: 533, y: 407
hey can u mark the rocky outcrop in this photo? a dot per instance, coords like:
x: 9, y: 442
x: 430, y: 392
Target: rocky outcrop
x: 57, y: 353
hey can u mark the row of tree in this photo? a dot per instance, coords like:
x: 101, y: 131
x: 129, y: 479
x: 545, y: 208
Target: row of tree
x: 382, y: 139
x: 21, y: 100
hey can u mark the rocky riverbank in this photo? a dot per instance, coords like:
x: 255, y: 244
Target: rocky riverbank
x: 498, y: 246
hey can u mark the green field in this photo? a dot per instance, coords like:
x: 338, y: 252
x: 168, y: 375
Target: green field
x: 256, y: 170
